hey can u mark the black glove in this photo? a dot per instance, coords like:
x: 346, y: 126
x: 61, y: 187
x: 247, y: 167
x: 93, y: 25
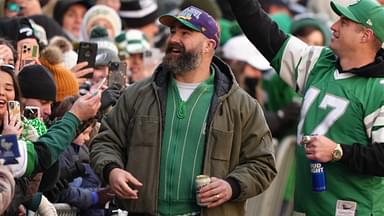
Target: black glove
x: 60, y: 186
x: 290, y: 113
x: 110, y: 96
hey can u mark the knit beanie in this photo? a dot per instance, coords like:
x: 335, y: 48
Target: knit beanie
x: 131, y: 42
x: 311, y: 20
x: 62, y: 6
x: 25, y: 29
x: 98, y: 12
x: 37, y: 82
x: 138, y: 13
x: 106, y: 49
x: 66, y: 47
x: 66, y: 82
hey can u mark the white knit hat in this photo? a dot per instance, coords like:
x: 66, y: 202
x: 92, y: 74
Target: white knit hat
x: 131, y: 42
x: 241, y: 49
x: 100, y: 12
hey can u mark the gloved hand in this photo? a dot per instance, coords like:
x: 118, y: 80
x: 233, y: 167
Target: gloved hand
x: 110, y: 96
x: 46, y: 208
x: 290, y: 113
x: 60, y: 186
x: 105, y: 195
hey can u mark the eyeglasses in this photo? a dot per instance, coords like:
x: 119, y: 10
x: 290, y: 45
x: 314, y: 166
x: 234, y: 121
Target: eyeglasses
x: 13, y: 7
x: 7, y: 68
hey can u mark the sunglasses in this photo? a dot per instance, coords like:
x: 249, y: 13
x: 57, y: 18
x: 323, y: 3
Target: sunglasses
x: 7, y: 68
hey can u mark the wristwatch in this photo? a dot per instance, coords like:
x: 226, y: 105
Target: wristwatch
x: 337, y: 153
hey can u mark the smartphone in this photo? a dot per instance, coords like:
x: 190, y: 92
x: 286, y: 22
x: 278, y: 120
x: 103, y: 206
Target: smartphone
x: 87, y: 52
x: 99, y: 85
x: 31, y: 112
x: 117, y: 74
x: 28, y: 54
x: 14, y: 110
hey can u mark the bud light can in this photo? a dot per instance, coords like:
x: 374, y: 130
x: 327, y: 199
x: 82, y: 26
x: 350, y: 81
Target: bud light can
x: 318, y: 176
x: 317, y: 171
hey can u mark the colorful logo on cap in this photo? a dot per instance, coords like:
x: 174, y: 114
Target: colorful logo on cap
x: 198, y: 20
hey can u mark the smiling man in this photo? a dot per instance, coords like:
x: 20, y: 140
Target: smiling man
x: 343, y: 104
x: 189, y: 118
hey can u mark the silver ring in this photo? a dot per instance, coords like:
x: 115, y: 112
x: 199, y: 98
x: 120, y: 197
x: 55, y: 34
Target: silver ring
x: 218, y: 196
x: 306, y: 139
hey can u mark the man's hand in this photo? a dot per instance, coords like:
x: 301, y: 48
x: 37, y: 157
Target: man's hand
x: 119, y: 180
x: 320, y: 148
x: 215, y: 193
x: 86, y: 106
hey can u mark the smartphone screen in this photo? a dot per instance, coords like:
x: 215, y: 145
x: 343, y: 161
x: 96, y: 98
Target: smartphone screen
x: 14, y: 110
x: 87, y: 53
x: 31, y: 112
x: 117, y: 74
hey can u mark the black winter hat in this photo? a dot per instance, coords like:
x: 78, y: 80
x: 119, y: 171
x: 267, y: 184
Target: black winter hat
x: 62, y: 6
x: 138, y: 13
x: 37, y: 82
x: 25, y: 30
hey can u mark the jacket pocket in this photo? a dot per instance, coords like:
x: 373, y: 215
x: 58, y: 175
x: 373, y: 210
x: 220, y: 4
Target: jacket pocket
x: 222, y: 144
x: 221, y: 152
x: 144, y: 131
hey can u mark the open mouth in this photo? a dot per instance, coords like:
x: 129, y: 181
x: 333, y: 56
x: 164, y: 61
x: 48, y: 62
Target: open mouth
x: 3, y: 103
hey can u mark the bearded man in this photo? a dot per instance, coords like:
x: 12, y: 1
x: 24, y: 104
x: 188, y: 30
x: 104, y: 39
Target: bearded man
x: 190, y: 118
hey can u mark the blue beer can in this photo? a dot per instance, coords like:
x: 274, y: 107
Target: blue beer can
x: 318, y: 176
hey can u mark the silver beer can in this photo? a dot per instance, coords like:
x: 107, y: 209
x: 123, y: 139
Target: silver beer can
x: 201, y: 181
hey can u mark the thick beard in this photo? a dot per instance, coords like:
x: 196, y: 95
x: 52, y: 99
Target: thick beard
x: 185, y: 62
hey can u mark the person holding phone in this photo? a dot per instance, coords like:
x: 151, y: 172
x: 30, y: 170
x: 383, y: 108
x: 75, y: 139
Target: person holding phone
x: 27, y: 45
x: 106, y: 52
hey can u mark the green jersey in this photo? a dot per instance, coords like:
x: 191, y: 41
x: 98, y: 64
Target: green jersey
x: 343, y: 107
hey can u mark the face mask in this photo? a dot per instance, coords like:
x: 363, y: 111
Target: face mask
x: 250, y: 85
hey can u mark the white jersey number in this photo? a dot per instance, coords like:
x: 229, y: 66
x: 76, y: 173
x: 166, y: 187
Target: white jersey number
x: 337, y: 104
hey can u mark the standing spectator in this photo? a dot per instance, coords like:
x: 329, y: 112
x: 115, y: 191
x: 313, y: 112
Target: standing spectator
x: 106, y: 52
x: 342, y: 107
x: 7, y: 53
x: 142, y: 15
x: 100, y: 15
x: 69, y: 14
x: 189, y: 118
x: 134, y: 44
